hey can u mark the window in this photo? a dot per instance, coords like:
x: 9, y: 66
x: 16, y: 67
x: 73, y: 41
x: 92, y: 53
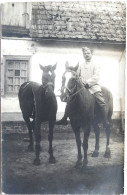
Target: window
x: 16, y: 73
x: 16, y: 18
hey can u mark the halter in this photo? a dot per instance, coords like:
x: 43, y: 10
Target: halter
x: 49, y: 83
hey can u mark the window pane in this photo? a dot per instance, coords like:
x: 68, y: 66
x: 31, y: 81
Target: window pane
x: 17, y: 72
x: 10, y: 80
x: 17, y: 64
x: 17, y: 81
x: 23, y: 65
x: 10, y: 64
x: 10, y: 88
x: 23, y: 73
x: 10, y: 73
x: 16, y: 88
x: 23, y: 80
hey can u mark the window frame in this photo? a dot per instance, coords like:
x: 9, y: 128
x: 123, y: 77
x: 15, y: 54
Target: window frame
x: 13, y: 58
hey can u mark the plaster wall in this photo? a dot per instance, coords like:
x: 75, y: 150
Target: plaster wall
x: 112, y: 70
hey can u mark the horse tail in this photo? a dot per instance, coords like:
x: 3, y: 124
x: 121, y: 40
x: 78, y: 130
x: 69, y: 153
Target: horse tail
x: 110, y: 111
x: 26, y: 99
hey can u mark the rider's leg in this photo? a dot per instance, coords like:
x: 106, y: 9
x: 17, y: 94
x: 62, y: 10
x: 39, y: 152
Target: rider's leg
x: 101, y: 102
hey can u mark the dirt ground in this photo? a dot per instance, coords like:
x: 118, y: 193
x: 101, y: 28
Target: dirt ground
x: 20, y: 176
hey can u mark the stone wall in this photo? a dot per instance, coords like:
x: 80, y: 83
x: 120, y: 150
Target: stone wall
x: 94, y: 20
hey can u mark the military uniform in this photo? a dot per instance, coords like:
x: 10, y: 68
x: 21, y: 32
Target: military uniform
x: 89, y: 72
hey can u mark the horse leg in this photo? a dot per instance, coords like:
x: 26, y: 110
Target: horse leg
x: 50, y: 138
x: 37, y: 142
x: 97, y: 136
x: 78, y: 142
x: 85, y: 146
x: 107, y: 151
x: 30, y: 130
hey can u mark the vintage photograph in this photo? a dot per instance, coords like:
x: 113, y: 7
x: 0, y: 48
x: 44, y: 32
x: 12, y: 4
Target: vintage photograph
x: 63, y: 97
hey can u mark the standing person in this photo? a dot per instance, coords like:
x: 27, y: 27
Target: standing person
x: 89, y: 73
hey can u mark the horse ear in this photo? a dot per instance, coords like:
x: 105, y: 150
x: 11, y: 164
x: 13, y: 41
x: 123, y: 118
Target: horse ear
x: 41, y: 67
x: 76, y: 67
x: 54, y: 67
x: 67, y: 65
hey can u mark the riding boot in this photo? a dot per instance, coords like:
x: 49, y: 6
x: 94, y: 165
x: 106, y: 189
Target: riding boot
x: 102, y: 106
x: 63, y: 121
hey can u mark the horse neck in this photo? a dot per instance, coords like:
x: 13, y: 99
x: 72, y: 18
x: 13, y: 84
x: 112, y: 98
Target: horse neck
x: 80, y: 85
x: 83, y: 94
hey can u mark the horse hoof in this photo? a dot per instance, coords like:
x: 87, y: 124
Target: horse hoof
x: 30, y: 148
x: 36, y: 162
x: 95, y: 154
x: 84, y: 164
x: 52, y: 160
x: 78, y: 164
x: 107, y: 154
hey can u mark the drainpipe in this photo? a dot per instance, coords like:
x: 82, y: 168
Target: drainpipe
x: 121, y: 99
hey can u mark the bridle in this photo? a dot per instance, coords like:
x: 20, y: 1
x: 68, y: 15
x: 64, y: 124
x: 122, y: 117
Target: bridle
x: 73, y: 89
x: 46, y: 84
x: 77, y: 92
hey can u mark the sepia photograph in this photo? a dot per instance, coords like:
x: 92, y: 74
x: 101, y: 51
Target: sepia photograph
x: 63, y: 66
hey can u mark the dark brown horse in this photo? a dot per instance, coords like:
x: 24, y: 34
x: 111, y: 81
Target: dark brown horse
x: 38, y: 103
x: 84, y: 112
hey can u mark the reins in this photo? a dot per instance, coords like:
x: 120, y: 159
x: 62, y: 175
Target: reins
x: 77, y: 92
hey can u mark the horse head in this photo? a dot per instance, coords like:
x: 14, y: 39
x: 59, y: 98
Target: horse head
x: 48, y: 77
x: 69, y: 81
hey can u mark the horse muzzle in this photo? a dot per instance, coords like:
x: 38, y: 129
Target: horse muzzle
x: 64, y: 97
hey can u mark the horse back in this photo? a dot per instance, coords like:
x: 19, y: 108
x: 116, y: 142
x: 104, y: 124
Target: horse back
x: 108, y: 98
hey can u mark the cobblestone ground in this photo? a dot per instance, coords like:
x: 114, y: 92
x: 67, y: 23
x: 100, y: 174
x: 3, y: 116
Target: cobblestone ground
x: 102, y: 176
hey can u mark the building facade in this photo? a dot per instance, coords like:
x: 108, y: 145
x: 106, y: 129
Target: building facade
x: 49, y: 32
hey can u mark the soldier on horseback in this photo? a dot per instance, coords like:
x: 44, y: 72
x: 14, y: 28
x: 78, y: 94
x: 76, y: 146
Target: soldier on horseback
x: 89, y: 72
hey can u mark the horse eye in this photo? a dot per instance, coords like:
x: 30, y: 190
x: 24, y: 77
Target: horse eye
x: 71, y: 79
